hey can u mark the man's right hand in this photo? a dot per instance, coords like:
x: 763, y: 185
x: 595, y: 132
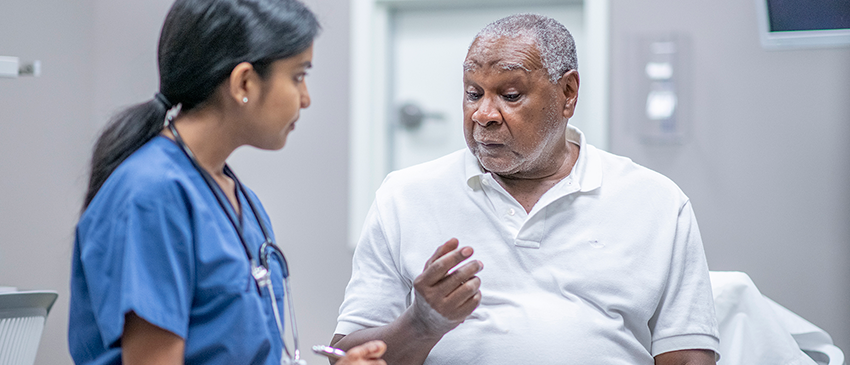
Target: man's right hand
x: 443, y: 300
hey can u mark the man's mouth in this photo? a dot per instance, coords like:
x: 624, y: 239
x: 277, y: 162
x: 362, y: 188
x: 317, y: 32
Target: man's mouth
x: 490, y: 143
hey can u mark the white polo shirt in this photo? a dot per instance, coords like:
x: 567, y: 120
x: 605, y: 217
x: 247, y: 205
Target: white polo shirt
x: 607, y: 268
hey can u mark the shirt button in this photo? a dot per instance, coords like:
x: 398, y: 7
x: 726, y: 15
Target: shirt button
x: 511, y: 211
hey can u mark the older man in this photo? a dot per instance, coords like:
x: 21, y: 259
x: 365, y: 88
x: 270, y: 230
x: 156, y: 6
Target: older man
x: 591, y: 258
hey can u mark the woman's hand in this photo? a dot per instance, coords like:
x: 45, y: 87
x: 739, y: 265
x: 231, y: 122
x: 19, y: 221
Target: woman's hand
x: 368, y: 353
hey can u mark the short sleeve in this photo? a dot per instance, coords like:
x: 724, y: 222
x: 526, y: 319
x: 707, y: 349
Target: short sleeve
x: 685, y: 318
x: 376, y: 294
x: 139, y: 258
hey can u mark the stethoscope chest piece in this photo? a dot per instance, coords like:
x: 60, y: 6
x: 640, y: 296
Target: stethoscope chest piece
x: 261, y: 275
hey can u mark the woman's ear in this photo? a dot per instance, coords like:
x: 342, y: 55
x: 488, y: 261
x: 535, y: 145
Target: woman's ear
x: 243, y: 83
x: 568, y: 84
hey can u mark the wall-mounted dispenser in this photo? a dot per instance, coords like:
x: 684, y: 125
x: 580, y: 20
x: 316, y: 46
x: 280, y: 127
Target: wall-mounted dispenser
x: 663, y: 90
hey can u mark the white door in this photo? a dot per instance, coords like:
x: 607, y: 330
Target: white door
x: 427, y: 49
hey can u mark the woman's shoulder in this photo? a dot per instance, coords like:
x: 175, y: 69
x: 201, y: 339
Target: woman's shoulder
x: 155, y: 174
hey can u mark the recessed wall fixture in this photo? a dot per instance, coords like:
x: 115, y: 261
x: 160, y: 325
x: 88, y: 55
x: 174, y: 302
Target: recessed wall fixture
x: 11, y: 67
x: 662, y: 87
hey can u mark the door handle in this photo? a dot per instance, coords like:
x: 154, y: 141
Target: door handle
x: 411, y: 116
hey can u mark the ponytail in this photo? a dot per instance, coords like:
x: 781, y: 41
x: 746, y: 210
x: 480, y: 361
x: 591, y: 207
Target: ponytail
x: 123, y: 135
x: 200, y: 44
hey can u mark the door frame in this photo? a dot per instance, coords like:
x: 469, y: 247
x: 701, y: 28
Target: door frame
x: 369, y: 87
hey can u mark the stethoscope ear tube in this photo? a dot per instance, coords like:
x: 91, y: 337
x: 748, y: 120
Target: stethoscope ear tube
x: 295, y: 355
x: 260, y: 271
x: 274, y: 250
x: 213, y: 186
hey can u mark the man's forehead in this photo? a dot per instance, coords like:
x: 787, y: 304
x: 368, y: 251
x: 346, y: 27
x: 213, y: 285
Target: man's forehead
x: 505, y: 53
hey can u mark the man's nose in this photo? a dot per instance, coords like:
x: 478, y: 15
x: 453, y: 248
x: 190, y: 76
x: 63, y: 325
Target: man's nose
x: 487, y: 113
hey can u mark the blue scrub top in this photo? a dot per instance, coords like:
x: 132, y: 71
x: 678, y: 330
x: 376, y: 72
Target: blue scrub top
x: 155, y: 241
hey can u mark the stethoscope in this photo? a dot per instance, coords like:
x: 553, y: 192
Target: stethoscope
x: 260, y: 270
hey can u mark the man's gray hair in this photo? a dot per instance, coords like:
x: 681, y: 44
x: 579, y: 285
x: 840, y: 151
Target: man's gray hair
x: 554, y: 42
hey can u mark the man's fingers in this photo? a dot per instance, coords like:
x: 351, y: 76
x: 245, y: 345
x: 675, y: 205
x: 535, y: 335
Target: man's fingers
x: 470, y: 305
x: 462, y: 293
x: 443, y: 264
x: 444, y: 258
x: 445, y: 297
x: 445, y: 248
x: 461, y: 275
x: 462, y: 301
x: 437, y: 270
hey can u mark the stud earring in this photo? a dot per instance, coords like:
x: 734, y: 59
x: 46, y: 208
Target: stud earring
x: 245, y: 99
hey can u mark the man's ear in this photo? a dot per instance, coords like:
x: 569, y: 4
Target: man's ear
x: 242, y: 87
x: 568, y: 84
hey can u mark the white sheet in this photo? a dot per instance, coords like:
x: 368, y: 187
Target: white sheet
x: 755, y: 330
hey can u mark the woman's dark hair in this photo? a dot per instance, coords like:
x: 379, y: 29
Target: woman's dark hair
x: 200, y: 44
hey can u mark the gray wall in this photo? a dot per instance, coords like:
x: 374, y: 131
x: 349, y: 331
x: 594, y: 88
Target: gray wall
x: 99, y: 56
x: 45, y: 130
x: 767, y: 166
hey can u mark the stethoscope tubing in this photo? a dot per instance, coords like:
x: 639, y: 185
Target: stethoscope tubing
x: 237, y: 226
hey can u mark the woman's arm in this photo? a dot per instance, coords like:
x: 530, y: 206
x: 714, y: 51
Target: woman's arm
x: 144, y: 343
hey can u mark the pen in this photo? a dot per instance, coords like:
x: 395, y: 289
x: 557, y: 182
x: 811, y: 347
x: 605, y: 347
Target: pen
x: 330, y: 352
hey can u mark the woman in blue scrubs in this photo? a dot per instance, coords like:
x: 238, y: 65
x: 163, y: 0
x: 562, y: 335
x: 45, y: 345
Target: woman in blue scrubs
x: 173, y: 258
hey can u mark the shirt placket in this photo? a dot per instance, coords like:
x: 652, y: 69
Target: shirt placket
x: 526, y: 230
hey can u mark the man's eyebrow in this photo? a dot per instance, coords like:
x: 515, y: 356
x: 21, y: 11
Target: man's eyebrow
x: 307, y: 64
x: 502, y: 65
x: 510, y: 66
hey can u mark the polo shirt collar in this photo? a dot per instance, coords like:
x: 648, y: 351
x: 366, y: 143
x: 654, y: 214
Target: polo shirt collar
x: 587, y: 170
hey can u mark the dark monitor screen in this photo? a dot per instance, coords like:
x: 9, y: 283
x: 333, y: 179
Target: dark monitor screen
x: 795, y: 15
x: 803, y: 23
